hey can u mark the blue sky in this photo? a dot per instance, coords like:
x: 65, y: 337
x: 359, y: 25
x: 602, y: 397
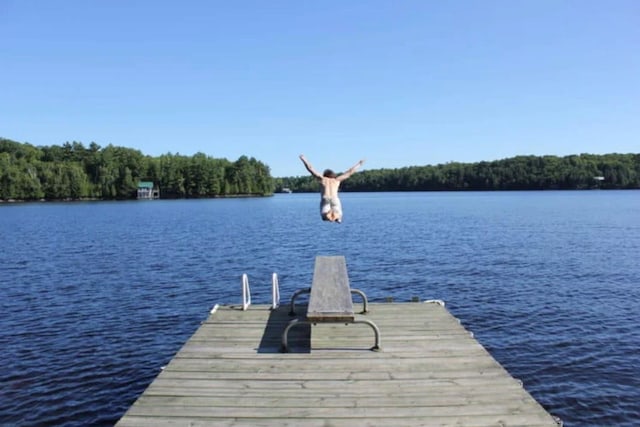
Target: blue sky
x: 399, y: 83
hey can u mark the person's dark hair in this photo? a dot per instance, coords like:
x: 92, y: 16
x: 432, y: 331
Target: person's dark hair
x: 328, y: 173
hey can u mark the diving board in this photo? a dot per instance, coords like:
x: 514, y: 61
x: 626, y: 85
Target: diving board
x: 330, y: 300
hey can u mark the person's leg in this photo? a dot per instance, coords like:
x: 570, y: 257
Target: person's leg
x: 336, y: 208
x: 325, y: 210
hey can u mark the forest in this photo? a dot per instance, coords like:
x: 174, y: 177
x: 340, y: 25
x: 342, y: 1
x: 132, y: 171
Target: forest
x: 75, y: 172
x: 575, y: 172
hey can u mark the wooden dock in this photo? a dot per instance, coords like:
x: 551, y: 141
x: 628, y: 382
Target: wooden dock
x: 430, y: 372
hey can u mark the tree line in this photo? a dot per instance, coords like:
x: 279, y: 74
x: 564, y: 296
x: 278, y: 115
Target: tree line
x: 73, y: 171
x: 584, y: 171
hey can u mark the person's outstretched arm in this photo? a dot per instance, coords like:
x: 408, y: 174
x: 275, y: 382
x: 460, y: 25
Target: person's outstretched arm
x: 351, y: 171
x: 310, y: 168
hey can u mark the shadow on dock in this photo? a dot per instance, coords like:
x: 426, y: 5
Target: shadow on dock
x: 299, y: 336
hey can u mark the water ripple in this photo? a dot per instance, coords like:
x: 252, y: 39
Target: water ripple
x: 100, y: 296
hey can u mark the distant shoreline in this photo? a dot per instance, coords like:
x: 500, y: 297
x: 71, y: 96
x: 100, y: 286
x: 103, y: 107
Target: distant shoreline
x: 247, y: 196
x: 93, y: 199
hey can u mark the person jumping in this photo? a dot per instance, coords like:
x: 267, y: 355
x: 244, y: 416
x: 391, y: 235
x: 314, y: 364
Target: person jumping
x: 330, y: 206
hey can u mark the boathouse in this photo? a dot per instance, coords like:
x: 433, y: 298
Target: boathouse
x: 148, y: 191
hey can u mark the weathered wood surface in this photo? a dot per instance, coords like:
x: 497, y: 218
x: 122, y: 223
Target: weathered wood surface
x: 330, y: 299
x: 431, y: 373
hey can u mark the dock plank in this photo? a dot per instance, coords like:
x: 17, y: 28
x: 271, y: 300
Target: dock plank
x: 431, y: 372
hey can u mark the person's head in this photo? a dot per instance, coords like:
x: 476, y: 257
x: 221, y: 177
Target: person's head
x: 328, y: 173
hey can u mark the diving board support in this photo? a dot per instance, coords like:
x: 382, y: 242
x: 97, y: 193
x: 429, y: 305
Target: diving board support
x: 365, y: 303
x: 292, y: 309
x: 294, y: 322
x: 330, y: 300
x: 296, y: 294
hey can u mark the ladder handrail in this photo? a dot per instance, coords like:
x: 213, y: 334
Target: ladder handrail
x: 275, y: 291
x: 246, y: 292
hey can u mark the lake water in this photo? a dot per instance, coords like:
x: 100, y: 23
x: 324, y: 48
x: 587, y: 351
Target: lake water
x: 96, y: 297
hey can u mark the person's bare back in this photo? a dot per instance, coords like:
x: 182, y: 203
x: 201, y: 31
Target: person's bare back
x: 330, y: 205
x: 329, y: 186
